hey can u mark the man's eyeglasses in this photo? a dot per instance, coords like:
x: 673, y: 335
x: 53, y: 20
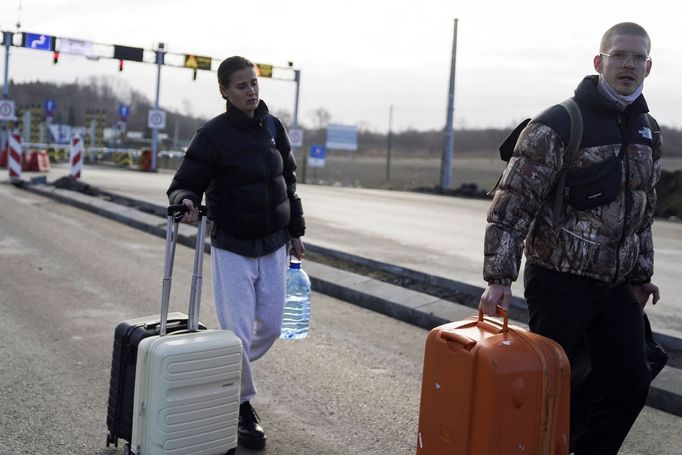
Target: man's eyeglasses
x: 619, y: 57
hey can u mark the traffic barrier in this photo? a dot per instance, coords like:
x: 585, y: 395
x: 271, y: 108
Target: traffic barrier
x: 122, y: 159
x: 36, y: 161
x: 52, y: 153
x: 14, y: 157
x: 76, y: 156
x: 145, y: 162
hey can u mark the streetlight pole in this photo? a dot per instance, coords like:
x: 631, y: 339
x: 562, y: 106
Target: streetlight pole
x: 388, y: 143
x: 297, y: 80
x: 446, y: 161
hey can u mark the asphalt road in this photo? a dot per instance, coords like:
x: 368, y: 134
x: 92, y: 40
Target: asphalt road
x: 67, y: 277
x: 437, y: 235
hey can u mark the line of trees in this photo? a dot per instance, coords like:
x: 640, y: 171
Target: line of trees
x: 74, y: 99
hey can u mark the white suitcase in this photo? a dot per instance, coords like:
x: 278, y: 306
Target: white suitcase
x: 187, y: 383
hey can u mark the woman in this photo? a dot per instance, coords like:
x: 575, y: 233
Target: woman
x: 242, y: 160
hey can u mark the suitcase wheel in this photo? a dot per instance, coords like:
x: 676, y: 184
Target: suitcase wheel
x: 111, y: 440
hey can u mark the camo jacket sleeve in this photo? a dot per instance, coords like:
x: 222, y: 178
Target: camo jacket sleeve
x: 529, y: 176
x: 644, y: 267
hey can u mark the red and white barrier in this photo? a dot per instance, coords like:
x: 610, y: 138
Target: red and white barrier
x: 76, y: 156
x: 14, y: 157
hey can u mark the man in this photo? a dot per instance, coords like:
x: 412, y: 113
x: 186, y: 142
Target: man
x: 587, y: 275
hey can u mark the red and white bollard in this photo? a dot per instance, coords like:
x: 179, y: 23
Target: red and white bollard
x: 76, y: 156
x: 14, y: 157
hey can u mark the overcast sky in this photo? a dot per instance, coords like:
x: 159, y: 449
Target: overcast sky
x: 358, y: 57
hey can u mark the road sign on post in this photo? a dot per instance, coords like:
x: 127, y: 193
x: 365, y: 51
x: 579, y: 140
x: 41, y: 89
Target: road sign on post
x: 123, y: 112
x: 296, y: 137
x: 317, y: 156
x: 156, y: 119
x: 6, y: 110
x: 342, y: 137
x: 49, y: 106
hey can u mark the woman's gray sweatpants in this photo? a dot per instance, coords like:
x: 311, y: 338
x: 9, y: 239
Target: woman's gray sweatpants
x: 249, y: 300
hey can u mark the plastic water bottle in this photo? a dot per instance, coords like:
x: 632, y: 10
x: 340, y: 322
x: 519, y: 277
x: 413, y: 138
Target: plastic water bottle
x: 297, y: 303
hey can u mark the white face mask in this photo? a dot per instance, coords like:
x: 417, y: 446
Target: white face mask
x: 622, y: 101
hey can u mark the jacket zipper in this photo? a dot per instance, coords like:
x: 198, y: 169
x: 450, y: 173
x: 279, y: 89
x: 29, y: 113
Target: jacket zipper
x: 626, y: 192
x: 266, y: 152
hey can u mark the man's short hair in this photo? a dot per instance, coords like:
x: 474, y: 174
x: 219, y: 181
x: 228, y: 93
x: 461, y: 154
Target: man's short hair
x: 624, y: 28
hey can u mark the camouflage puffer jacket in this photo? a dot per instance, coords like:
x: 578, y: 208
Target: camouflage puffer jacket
x: 611, y: 243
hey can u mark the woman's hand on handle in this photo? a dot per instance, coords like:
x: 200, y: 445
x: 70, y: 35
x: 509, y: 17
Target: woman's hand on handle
x: 192, y: 214
x: 495, y: 294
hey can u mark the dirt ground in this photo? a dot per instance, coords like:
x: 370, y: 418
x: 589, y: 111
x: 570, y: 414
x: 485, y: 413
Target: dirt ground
x: 408, y: 173
x: 473, y: 175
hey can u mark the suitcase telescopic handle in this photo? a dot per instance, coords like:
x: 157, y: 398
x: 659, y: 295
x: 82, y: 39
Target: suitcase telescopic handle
x: 500, y: 312
x: 181, y: 208
x: 172, y: 225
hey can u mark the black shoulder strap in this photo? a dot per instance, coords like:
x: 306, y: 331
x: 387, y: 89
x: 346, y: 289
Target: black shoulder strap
x: 570, y: 153
x: 655, y: 136
x: 270, y: 125
x: 507, y: 147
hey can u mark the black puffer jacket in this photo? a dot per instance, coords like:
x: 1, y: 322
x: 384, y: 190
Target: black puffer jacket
x: 249, y: 181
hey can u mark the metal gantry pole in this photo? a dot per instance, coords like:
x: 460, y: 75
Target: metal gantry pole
x: 446, y: 161
x: 297, y: 80
x: 7, y: 42
x: 155, y: 131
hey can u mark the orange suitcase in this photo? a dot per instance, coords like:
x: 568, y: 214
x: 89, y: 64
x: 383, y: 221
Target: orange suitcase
x: 493, y: 389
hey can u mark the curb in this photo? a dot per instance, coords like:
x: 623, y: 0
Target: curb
x: 409, y: 306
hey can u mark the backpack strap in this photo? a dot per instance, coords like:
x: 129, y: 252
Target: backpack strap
x: 655, y: 137
x: 570, y: 153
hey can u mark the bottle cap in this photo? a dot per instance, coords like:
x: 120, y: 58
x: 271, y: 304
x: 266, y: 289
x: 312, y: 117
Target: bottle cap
x: 294, y: 263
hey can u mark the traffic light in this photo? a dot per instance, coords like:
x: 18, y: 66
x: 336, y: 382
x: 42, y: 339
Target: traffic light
x: 55, y: 57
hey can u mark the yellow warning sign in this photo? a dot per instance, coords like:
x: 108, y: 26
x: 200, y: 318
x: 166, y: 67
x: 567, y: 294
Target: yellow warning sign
x: 264, y: 70
x: 197, y: 62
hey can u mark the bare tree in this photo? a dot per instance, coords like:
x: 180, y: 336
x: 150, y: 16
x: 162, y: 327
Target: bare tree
x: 320, y: 117
x: 284, y: 116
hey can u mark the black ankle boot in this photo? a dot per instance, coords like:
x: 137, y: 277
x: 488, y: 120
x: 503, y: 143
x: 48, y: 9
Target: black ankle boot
x: 251, y: 434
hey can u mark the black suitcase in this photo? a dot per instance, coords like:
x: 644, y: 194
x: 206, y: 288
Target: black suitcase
x: 127, y: 337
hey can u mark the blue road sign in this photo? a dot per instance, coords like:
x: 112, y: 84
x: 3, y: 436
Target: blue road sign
x: 318, y: 151
x: 123, y: 111
x: 317, y: 155
x: 49, y: 106
x: 37, y: 41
